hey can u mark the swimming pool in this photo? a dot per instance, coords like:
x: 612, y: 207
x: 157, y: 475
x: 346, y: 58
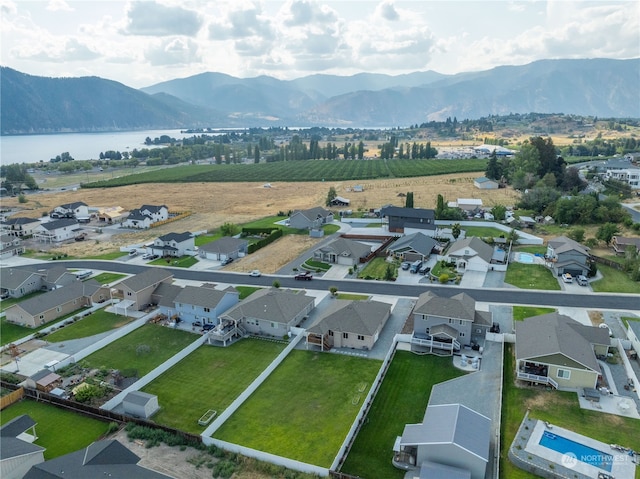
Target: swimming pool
x: 577, y: 451
x: 525, y: 258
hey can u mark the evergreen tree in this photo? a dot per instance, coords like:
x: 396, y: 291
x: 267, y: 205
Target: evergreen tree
x: 409, y: 200
x: 494, y: 170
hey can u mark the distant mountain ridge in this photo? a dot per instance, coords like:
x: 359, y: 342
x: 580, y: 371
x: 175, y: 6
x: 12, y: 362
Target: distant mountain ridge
x: 598, y: 87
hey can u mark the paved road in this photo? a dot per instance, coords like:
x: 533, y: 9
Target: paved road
x: 615, y: 301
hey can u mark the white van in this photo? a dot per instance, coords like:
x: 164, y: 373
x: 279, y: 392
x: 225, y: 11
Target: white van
x: 83, y: 274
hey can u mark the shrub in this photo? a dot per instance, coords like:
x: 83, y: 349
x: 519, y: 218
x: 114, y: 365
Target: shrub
x: 113, y: 427
x: 9, y: 378
x: 444, y: 277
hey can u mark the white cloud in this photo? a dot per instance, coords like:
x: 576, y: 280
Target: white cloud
x: 155, y: 19
x: 244, y: 22
x: 387, y: 10
x: 71, y: 50
x: 173, y: 51
x: 58, y: 5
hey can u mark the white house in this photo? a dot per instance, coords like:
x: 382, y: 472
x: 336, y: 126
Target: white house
x: 57, y: 230
x: 145, y: 216
x: 19, y: 226
x: 10, y: 246
x: 471, y: 254
x: 630, y: 175
x: 77, y: 210
x: 467, y: 204
x: 18, y: 451
x: 173, y: 244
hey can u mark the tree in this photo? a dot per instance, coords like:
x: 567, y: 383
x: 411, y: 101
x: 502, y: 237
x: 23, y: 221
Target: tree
x: 499, y: 212
x: 439, y: 206
x: 494, y: 169
x: 331, y: 195
x: 388, y: 273
x: 456, y: 230
x: 256, y: 154
x: 513, y: 236
x: 333, y: 290
x: 577, y: 234
x: 229, y: 229
x: 606, y: 232
x: 409, y: 200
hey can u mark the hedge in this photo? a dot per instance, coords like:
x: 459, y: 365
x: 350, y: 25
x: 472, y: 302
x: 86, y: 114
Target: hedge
x: 275, y: 234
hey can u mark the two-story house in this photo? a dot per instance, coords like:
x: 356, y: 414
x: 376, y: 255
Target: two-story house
x: 19, y: 226
x: 203, y: 304
x: 145, y: 216
x: 56, y: 231
x: 565, y: 255
x: 173, y: 244
x: 446, y: 324
x: 10, y: 246
x: 136, y: 291
x: 405, y: 220
x: 77, y: 210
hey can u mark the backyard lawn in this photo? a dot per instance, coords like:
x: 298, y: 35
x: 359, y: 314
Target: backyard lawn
x: 209, y: 378
x: 522, y: 312
x: 59, y: 430
x: 10, y: 331
x: 614, y: 281
x: 560, y: 408
x: 304, y: 410
x: 143, y: 349
x: 531, y: 276
x: 96, y: 323
x: 246, y: 290
x: 483, y: 231
x: 533, y: 249
x: 402, y: 399
x: 207, y: 238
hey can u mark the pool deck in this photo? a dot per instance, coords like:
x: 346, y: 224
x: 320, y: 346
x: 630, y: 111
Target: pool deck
x: 623, y: 466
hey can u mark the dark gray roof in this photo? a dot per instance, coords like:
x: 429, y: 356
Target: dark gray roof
x: 474, y: 243
x: 153, y: 208
x: 459, y: 306
x: 408, y: 212
x: 178, y: 237
x: 44, y: 302
x: 73, y: 206
x: 418, y: 242
x: 165, y: 293
x: 17, y: 426
x: 562, y: 244
x: 271, y: 304
x: 137, y: 215
x: 200, y: 296
x: 314, y: 213
x: 433, y: 470
x: 453, y: 424
x: 56, y: 224
x: 347, y: 248
x: 556, y: 333
x: 145, y: 279
x: 37, y: 376
x: 11, y: 278
x: 139, y: 398
x: 107, y: 458
x: 226, y: 244
x: 20, y: 220
x: 55, y: 273
x: 357, y: 317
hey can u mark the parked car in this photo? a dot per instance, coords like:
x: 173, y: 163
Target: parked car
x: 424, y: 269
x: 567, y: 278
x: 226, y: 261
x: 255, y: 273
x: 306, y: 276
x: 147, y: 256
x: 582, y: 280
x: 406, y: 265
x: 133, y: 252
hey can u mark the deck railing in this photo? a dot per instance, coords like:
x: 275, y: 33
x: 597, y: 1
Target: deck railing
x: 538, y: 379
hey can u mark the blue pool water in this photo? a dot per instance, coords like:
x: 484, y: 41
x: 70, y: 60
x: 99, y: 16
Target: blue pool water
x: 525, y: 258
x: 582, y: 453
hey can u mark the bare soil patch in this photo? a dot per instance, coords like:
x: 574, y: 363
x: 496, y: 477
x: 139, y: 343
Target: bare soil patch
x: 595, y: 317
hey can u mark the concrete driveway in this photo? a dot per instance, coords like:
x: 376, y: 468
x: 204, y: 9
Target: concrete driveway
x: 473, y: 279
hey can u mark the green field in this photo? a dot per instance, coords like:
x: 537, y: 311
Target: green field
x: 181, y: 262
x: 10, y: 332
x: 59, y: 430
x: 309, y: 170
x: 377, y: 268
x: 614, y: 281
x: 522, y: 312
x: 531, y: 276
x: 209, y: 378
x: 483, y: 231
x: 95, y: 323
x: 246, y: 290
x: 402, y: 399
x: 304, y: 410
x: 143, y: 349
x: 559, y: 408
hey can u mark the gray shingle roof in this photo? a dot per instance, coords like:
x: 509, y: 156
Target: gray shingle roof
x: 483, y: 250
x: 274, y: 304
x: 200, y: 296
x: 459, y: 306
x: 145, y: 279
x: 556, y: 333
x: 56, y: 224
x: 314, y: 213
x: 562, y: 244
x: 73, y: 206
x: 357, y: 317
x: 44, y: 302
x: 418, y: 242
x: 408, y: 212
x: 226, y: 244
x: 17, y: 426
x: 138, y: 398
x: 178, y: 237
x: 137, y: 215
x: 11, y: 278
x: 165, y: 294
x: 153, y: 208
x: 20, y: 220
x: 347, y: 247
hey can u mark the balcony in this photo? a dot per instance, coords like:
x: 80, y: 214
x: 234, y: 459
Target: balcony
x: 537, y: 379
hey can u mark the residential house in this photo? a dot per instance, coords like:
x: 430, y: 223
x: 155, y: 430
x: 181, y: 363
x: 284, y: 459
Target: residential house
x: 468, y: 205
x: 140, y: 404
x: 269, y: 312
x: 55, y: 304
x: 633, y: 335
x: 111, y: 214
x: 223, y: 248
x: 557, y: 350
x: 163, y: 297
x: 311, y: 219
x: 413, y: 247
x: 620, y: 244
x: 203, y: 304
x: 349, y: 324
x: 343, y: 251
x: 106, y: 458
x: 136, y: 291
x: 526, y: 221
x: 403, y: 219
x: 19, y: 226
x: 451, y: 442
x: 145, y: 216
x: 10, y: 246
x: 446, y: 324
x: 340, y: 201
x: 630, y: 176
x: 17, y: 451
x: 173, y: 244
x: 484, y: 183
x: 471, y: 254
x: 56, y: 277
x: 44, y: 380
x: 18, y: 282
x: 77, y: 210
x: 567, y: 256
x: 57, y: 230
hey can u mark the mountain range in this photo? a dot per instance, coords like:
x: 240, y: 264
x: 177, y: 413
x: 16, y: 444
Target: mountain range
x: 598, y: 87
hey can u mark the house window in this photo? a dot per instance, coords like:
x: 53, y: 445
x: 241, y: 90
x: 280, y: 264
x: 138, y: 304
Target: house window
x: 41, y: 316
x: 461, y: 322
x: 462, y: 335
x: 450, y: 320
x: 75, y: 301
x: 330, y: 333
x: 273, y: 325
x: 207, y: 310
x: 564, y: 374
x: 345, y: 335
x: 360, y: 337
x: 58, y: 309
x: 129, y: 293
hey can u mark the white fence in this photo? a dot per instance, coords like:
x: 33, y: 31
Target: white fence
x: 628, y: 368
x: 524, y: 238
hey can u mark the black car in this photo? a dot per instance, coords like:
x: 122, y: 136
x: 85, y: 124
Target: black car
x: 226, y: 261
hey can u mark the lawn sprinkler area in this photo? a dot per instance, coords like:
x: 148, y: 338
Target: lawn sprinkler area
x: 305, y: 409
x: 210, y: 378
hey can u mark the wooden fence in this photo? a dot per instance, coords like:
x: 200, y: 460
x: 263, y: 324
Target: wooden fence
x: 9, y: 399
x: 608, y: 262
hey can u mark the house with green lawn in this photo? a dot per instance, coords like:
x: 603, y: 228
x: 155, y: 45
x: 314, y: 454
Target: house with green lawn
x: 568, y: 256
x: 136, y: 291
x: 198, y: 305
x: 413, y: 247
x: 17, y: 451
x: 342, y: 251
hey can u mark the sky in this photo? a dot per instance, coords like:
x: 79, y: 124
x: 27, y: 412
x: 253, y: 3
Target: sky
x: 141, y: 43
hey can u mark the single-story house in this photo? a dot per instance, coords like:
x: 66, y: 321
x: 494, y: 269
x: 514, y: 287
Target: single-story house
x: 471, y: 254
x: 557, y: 350
x: 620, y: 244
x: 401, y: 219
x: 270, y: 311
x: 57, y: 230
x: 17, y: 451
x: 145, y: 216
x: 18, y: 282
x: 451, y: 442
x: 136, y: 291
x: 44, y: 380
x: 77, y: 210
x: 342, y: 251
x: 172, y: 244
x: 54, y: 304
x: 111, y: 214
x: 106, y: 458
x: 140, y: 404
x: 633, y: 335
x: 203, y: 304
x: 310, y: 219
x: 223, y: 248
x: 10, y: 246
x: 447, y: 324
x: 56, y: 277
x: 340, y: 201
x: 349, y: 324
x: 526, y: 221
x: 19, y: 226
x: 567, y: 256
x: 413, y: 247
x: 485, y: 183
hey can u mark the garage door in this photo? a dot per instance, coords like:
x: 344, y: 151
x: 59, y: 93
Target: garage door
x: 573, y: 272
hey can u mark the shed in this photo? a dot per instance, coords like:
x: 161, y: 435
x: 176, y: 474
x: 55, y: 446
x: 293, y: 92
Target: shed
x: 140, y: 404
